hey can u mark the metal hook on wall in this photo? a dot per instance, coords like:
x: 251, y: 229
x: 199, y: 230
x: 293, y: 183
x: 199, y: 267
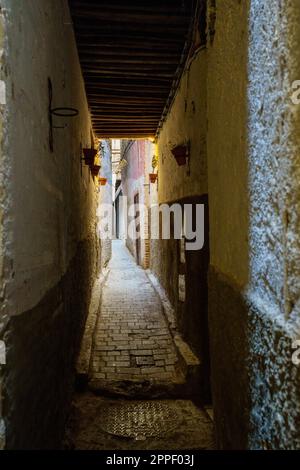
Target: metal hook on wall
x: 60, y: 112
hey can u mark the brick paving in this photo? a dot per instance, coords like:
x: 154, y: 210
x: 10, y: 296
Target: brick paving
x: 132, y: 340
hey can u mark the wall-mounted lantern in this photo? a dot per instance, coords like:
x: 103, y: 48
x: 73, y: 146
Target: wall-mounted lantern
x: 102, y: 180
x: 181, y: 153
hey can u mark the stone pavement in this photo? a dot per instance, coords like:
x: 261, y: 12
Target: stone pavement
x: 132, y: 340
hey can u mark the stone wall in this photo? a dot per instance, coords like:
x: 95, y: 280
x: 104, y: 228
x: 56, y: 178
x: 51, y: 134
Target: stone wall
x: 253, y: 180
x: 50, y: 245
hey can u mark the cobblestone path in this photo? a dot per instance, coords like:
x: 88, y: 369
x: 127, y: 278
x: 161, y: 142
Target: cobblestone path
x: 133, y: 346
x: 132, y: 340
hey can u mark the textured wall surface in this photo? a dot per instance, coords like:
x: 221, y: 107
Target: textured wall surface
x: 191, y: 314
x: 54, y: 189
x: 274, y: 143
x: 227, y: 140
x: 186, y: 121
x: 185, y: 184
x: 254, y: 382
x: 50, y: 236
x: 3, y: 198
x: 105, y: 199
x: 253, y: 155
x: 229, y: 349
x: 43, y: 344
x: 135, y: 181
x: 274, y: 186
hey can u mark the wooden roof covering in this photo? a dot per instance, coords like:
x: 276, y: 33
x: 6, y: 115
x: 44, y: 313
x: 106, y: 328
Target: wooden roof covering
x: 131, y: 53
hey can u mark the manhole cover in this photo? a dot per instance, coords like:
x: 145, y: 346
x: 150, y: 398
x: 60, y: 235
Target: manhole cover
x: 139, y: 420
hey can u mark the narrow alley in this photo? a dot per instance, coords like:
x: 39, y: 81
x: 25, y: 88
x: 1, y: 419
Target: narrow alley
x: 150, y: 226
x: 133, y: 356
x: 132, y: 340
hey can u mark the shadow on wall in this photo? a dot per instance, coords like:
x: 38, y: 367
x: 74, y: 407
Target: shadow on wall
x: 227, y: 149
x: 253, y: 317
x: 42, y: 346
x: 172, y: 269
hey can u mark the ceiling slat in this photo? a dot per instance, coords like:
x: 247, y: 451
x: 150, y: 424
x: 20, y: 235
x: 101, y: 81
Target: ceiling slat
x: 129, y: 53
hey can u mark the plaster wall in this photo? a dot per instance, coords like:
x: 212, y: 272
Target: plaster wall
x: 186, y: 121
x: 135, y: 180
x: 105, y: 209
x: 3, y: 198
x: 53, y: 193
x: 49, y: 235
x: 253, y: 180
x: 187, y: 184
x: 227, y: 141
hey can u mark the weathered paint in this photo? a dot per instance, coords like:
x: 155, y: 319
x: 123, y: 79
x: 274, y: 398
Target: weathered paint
x: 135, y: 182
x: 105, y: 220
x: 49, y: 233
x: 52, y: 195
x: 2, y: 206
x: 253, y: 175
x: 185, y: 122
x: 187, y: 184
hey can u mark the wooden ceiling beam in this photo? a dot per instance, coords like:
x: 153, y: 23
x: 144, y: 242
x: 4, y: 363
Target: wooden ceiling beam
x: 129, y: 65
x: 140, y: 33
x: 125, y: 109
x: 95, y: 84
x: 129, y: 53
x: 127, y: 73
x: 149, y: 131
x: 91, y: 42
x: 116, y: 24
x: 126, y: 120
x: 95, y: 15
x: 116, y: 132
x: 134, y: 5
x: 121, y: 98
x: 114, y: 135
x: 127, y: 45
x: 135, y: 60
x: 129, y: 114
x: 128, y: 91
x: 99, y: 80
x: 125, y: 125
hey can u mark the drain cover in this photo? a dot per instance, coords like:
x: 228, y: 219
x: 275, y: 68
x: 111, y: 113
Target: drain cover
x: 139, y: 420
